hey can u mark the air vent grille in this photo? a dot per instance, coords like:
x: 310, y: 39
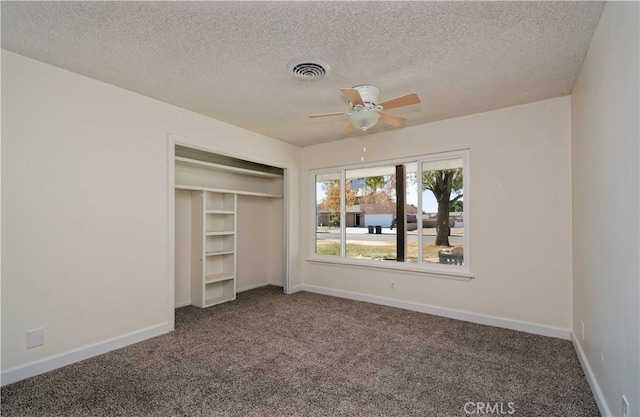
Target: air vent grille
x: 308, y: 69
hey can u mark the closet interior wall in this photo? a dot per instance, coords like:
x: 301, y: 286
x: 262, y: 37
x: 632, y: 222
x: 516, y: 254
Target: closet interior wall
x: 261, y: 238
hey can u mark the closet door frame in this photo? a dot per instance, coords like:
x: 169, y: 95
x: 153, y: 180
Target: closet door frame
x: 174, y: 140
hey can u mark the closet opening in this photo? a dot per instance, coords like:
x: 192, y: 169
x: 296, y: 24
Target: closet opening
x: 229, y: 227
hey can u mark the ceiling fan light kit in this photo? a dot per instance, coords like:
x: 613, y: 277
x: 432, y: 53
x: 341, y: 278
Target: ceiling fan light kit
x: 366, y: 109
x: 364, y: 119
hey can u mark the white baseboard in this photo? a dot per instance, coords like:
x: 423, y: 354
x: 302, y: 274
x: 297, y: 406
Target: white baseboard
x: 182, y: 304
x: 296, y: 288
x: 522, y: 326
x: 591, y: 378
x: 67, y: 358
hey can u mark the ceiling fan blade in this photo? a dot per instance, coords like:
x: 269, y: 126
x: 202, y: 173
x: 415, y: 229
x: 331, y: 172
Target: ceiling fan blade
x: 407, y: 100
x: 391, y: 119
x: 353, y: 95
x: 340, y: 113
x: 347, y: 128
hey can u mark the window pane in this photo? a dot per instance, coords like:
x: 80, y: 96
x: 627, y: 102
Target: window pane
x: 370, y: 209
x: 443, y: 214
x: 328, y: 214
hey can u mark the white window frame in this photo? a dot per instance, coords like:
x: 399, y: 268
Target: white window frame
x: 422, y: 268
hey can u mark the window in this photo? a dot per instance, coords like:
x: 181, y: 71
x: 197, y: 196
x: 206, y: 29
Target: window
x: 409, y: 212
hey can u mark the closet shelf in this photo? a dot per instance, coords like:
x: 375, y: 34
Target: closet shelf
x: 213, y: 278
x: 222, y: 233
x: 225, y: 168
x: 223, y: 190
x: 219, y: 252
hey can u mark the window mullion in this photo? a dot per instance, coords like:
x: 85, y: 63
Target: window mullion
x: 343, y: 214
x: 420, y: 211
x: 401, y: 213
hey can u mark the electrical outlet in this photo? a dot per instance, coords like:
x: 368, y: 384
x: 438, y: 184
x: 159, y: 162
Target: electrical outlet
x: 35, y: 337
x: 582, y: 323
x: 625, y: 407
x: 392, y: 285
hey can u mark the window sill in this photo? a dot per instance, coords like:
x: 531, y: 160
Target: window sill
x: 394, y: 266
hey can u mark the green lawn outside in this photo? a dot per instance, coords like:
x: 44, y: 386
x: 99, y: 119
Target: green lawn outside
x: 380, y: 250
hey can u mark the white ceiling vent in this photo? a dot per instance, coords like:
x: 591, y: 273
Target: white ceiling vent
x: 306, y: 69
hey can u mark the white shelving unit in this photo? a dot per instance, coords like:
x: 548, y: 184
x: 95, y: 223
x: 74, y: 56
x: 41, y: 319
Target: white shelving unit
x: 213, y: 267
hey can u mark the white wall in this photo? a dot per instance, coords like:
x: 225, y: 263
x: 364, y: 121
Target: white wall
x: 605, y: 160
x: 85, y: 206
x: 520, y: 214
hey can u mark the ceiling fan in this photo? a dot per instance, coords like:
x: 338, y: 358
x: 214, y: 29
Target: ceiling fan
x: 366, y: 110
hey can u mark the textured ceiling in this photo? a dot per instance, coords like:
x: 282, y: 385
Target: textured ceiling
x: 228, y: 60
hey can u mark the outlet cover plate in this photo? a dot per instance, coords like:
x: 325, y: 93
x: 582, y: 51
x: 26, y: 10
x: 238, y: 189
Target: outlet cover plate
x: 35, y: 337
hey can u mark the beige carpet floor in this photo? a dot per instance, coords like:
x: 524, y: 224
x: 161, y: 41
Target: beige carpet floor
x: 268, y: 354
